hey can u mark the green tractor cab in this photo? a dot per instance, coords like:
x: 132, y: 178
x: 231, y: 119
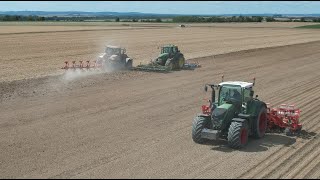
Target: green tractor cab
x: 115, y: 58
x: 233, y: 115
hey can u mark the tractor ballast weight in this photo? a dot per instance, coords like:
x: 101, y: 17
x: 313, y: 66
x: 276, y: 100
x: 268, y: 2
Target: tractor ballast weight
x: 235, y: 115
x: 114, y: 58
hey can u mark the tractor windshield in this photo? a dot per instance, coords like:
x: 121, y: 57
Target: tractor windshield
x: 113, y: 51
x: 166, y: 50
x: 227, y: 92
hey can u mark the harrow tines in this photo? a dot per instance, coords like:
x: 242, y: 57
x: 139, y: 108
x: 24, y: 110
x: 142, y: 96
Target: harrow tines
x: 66, y: 66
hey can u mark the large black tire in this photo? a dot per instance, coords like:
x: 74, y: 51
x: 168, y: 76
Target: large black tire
x: 260, y: 123
x: 180, y: 62
x: 199, y: 123
x: 238, y: 135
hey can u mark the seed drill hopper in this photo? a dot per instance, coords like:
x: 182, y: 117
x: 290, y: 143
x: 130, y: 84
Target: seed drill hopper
x: 285, y: 117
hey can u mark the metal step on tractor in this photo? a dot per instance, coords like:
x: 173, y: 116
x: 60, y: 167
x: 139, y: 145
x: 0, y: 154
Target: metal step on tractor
x: 235, y: 115
x: 170, y: 58
x: 114, y: 58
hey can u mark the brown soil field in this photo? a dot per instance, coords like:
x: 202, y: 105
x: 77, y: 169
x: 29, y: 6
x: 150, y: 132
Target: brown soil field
x: 138, y: 124
x: 38, y: 51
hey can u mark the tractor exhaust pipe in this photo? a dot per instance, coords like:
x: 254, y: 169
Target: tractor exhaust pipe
x: 213, y: 93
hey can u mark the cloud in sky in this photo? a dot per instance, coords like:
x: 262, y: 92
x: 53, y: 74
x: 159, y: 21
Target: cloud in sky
x: 168, y: 7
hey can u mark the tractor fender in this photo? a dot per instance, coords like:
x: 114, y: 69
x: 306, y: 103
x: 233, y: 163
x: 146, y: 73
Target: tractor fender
x: 243, y: 121
x: 255, y: 106
x: 261, y: 104
x: 207, y: 117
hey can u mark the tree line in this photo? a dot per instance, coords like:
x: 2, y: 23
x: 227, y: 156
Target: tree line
x: 218, y: 19
x: 177, y: 19
x: 21, y: 18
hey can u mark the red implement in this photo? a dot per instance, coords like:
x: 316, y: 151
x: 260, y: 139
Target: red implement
x: 81, y: 65
x: 284, y: 117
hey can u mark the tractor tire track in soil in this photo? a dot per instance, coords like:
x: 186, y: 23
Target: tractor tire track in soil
x: 138, y: 124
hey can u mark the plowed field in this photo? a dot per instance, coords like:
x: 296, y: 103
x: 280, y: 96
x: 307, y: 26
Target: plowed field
x: 138, y: 124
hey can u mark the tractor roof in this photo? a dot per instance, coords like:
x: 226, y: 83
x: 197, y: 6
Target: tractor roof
x: 237, y: 83
x: 169, y: 45
x: 113, y: 47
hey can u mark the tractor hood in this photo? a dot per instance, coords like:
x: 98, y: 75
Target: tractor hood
x: 163, y: 55
x: 162, y: 58
x: 221, y: 110
x: 220, y: 115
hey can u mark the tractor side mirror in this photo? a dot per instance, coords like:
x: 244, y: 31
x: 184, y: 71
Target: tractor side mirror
x: 205, y: 88
x: 256, y: 96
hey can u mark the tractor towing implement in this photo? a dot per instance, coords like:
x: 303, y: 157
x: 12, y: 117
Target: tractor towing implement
x: 284, y: 118
x: 235, y: 115
x: 113, y: 59
x: 170, y: 58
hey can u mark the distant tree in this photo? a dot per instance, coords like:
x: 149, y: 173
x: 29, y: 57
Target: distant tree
x: 6, y: 18
x: 158, y: 20
x: 270, y: 19
x: 117, y: 19
x: 30, y: 18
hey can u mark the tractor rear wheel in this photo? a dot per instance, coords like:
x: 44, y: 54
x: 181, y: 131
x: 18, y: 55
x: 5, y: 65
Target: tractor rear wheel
x: 260, y: 123
x: 181, y: 62
x: 199, y: 123
x: 238, y: 135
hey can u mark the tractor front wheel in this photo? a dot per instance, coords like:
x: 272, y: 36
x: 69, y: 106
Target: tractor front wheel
x: 199, y: 123
x: 238, y: 135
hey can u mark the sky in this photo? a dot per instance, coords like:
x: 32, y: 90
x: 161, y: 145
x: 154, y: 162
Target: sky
x: 169, y: 7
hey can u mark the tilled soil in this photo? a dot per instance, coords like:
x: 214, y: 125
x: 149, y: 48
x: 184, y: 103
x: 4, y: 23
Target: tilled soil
x: 29, y: 52
x: 138, y: 124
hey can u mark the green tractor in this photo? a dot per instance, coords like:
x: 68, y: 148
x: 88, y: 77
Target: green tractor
x: 170, y: 58
x: 235, y: 115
